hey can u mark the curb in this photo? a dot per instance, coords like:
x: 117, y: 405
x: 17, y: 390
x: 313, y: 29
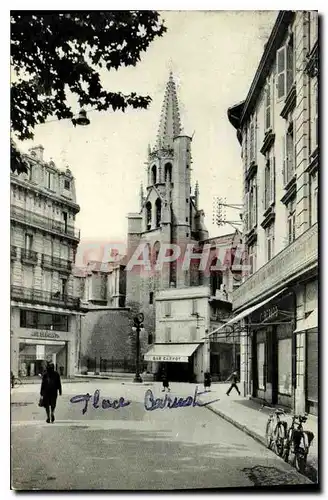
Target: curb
x: 239, y: 426
x: 257, y: 437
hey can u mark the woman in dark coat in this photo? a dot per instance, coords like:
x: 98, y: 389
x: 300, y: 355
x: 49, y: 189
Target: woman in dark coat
x: 165, y: 381
x: 50, y: 387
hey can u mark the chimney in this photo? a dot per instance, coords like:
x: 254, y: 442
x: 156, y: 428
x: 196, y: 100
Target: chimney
x: 37, y: 152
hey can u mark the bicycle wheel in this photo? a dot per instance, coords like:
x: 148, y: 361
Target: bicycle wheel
x: 300, y: 461
x: 279, y: 438
x: 17, y: 382
x: 268, y: 434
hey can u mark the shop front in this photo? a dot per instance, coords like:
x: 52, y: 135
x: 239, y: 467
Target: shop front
x: 179, y: 361
x: 272, y: 343
x: 34, y: 354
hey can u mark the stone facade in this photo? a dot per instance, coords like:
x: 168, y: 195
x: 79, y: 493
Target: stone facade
x: 44, y: 310
x: 277, y: 127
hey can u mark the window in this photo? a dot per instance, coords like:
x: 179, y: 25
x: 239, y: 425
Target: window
x: 269, y: 181
x: 28, y: 242
x: 153, y: 174
x: 251, y: 204
x: 148, y: 216
x: 194, y: 307
x: 49, y: 179
x: 30, y: 172
x: 151, y: 297
x: 158, y: 212
x: 64, y: 214
x: 261, y: 365
x: 291, y: 221
x: 252, y: 258
x: 313, y: 198
x: 252, y: 139
x: 285, y: 68
x: 269, y: 233
x: 168, y: 172
x: 167, y: 308
x: 167, y: 334
x: 288, y: 155
x: 285, y: 366
x: 67, y: 184
x: 150, y: 338
x: 63, y: 283
x: 268, y: 106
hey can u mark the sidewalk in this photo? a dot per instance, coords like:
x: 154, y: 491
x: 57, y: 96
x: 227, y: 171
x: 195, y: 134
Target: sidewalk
x: 250, y: 417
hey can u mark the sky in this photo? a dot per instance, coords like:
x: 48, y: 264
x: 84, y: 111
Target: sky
x: 214, y: 56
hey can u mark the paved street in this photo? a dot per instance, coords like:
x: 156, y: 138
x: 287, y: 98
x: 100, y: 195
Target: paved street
x: 131, y: 448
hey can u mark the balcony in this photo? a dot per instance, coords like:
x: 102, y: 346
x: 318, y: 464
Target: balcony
x: 29, y: 256
x: 50, y: 262
x: 13, y: 252
x: 297, y: 258
x: 42, y: 297
x: 33, y: 219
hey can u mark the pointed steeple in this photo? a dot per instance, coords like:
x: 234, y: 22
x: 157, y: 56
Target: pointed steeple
x: 169, y: 125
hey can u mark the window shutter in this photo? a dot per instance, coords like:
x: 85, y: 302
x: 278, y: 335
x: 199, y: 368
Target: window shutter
x: 289, y: 65
x: 281, y: 72
x: 284, y: 159
x: 247, y: 212
x: 194, y: 306
x: 167, y: 334
x: 273, y: 181
x: 268, y: 106
x: 254, y: 207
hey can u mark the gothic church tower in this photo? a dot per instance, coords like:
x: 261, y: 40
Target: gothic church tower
x: 168, y: 214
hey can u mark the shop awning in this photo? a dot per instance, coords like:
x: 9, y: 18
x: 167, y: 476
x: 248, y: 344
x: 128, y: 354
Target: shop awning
x: 246, y: 313
x: 308, y: 323
x: 178, y: 353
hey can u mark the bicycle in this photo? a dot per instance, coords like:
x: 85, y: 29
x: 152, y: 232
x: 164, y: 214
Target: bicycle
x: 15, y: 382
x: 275, y: 433
x: 298, y: 442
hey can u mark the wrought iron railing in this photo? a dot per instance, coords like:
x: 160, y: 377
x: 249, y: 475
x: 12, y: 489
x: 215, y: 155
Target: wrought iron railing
x: 29, y: 255
x: 32, y: 218
x: 50, y: 261
x: 299, y: 256
x: 43, y: 297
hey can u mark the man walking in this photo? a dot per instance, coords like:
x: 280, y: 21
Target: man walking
x: 234, y: 379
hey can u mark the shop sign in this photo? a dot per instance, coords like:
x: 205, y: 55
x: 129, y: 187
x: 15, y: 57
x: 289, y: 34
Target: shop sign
x: 45, y: 335
x: 270, y: 313
x: 169, y: 358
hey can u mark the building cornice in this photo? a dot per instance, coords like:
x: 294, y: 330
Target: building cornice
x: 47, y: 194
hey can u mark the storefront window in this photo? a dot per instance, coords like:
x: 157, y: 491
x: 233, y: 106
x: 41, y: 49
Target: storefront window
x: 260, y: 364
x: 285, y: 366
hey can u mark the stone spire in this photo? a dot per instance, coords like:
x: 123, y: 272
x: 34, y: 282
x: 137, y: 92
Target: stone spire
x: 169, y: 125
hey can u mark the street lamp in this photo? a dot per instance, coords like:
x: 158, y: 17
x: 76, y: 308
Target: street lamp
x: 138, y: 320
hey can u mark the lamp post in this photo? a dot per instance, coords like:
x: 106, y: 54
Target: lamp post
x: 138, y: 320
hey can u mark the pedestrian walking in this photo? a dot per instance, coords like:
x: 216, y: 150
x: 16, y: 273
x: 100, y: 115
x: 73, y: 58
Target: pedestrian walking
x: 50, y: 387
x: 165, y: 381
x: 207, y: 381
x: 234, y: 379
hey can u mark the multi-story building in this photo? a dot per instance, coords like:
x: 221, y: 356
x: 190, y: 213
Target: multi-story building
x: 186, y: 315
x: 101, y: 284
x: 276, y: 305
x: 45, y: 318
x: 169, y: 214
